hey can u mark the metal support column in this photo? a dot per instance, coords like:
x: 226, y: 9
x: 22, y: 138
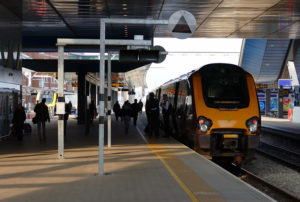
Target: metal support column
x: 102, y: 72
x: 242, y: 52
x: 109, y: 100
x: 97, y: 95
x: 101, y: 100
x: 60, y: 73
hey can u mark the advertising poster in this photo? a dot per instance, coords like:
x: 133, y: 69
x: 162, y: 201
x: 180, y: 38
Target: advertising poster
x: 286, y: 103
x: 274, y: 101
x: 262, y: 101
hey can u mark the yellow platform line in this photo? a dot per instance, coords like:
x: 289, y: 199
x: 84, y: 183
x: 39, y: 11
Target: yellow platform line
x: 181, y: 184
x: 192, y: 184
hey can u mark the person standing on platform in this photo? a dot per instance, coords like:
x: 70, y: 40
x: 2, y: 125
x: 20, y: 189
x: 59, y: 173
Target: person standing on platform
x: 166, y: 112
x: 92, y: 108
x: 135, y: 110
x: 68, y: 109
x: 18, y: 121
x: 117, y: 109
x: 42, y: 115
x: 152, y: 111
x: 126, y: 112
x: 141, y: 106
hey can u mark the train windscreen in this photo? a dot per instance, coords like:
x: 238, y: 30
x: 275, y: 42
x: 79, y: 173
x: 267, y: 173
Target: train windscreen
x: 225, y: 91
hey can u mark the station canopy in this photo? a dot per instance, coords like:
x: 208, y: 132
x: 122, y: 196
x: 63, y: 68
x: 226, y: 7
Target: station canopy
x: 46, y: 20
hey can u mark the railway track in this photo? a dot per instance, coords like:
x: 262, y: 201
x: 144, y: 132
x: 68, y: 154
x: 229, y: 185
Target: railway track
x: 281, y: 145
x: 280, y: 153
x: 266, y: 187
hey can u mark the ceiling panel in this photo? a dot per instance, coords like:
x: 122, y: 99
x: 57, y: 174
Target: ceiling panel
x: 215, y: 18
x: 264, y: 58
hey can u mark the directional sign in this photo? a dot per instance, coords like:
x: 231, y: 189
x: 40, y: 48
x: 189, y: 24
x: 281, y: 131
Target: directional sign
x: 182, y: 24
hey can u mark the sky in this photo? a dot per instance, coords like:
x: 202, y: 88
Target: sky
x: 189, y: 54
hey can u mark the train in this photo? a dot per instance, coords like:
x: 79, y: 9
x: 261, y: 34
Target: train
x: 9, y: 99
x: 215, y: 111
x: 51, y: 99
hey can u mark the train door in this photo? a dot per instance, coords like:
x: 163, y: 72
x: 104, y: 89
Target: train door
x: 189, y: 116
x: 8, y: 103
x: 174, y: 102
x: 4, y: 125
x: 180, y: 109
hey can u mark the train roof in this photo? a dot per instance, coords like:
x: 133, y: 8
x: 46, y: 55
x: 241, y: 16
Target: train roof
x: 202, y: 69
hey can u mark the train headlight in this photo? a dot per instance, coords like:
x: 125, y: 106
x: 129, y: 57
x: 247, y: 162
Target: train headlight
x: 204, y: 124
x: 252, y: 124
x: 203, y: 128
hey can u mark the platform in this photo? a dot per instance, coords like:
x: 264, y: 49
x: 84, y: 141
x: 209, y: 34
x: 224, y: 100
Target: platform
x: 281, y: 125
x: 136, y: 169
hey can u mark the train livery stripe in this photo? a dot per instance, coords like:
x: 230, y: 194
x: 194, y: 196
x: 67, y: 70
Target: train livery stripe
x: 193, y: 185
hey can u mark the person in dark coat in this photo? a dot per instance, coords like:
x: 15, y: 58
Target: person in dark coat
x: 42, y: 115
x: 126, y: 112
x: 135, y: 110
x: 141, y: 106
x: 18, y: 121
x: 117, y: 109
x: 152, y: 112
x: 70, y: 107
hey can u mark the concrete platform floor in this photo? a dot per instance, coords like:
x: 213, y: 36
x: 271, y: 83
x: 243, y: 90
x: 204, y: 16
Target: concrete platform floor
x: 134, y: 171
x: 280, y: 124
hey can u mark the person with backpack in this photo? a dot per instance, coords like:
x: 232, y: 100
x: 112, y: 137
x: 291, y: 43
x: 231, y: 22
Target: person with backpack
x: 152, y: 112
x: 166, y: 112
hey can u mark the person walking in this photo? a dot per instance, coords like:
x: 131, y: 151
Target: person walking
x: 166, y: 112
x: 135, y: 110
x: 117, y: 109
x: 126, y: 112
x: 18, y: 121
x: 42, y: 115
x: 152, y: 112
x: 141, y: 106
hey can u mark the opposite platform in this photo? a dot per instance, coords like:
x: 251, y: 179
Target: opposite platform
x: 281, y: 125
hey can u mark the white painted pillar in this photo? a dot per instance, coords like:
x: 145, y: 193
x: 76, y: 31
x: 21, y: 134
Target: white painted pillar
x: 109, y: 100
x: 101, y: 98
x: 60, y: 74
